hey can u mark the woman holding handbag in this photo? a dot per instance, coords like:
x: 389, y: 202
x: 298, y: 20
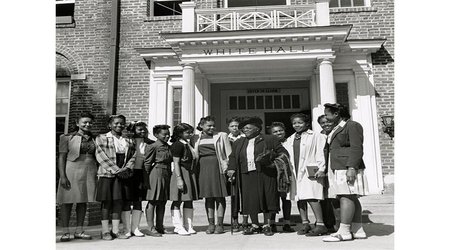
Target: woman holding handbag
x: 254, y: 156
x: 306, y: 151
x: 77, y: 168
x: 183, y: 183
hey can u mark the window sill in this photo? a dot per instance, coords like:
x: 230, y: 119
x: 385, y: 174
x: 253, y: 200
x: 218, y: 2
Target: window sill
x: 352, y: 9
x: 65, y: 25
x: 162, y: 18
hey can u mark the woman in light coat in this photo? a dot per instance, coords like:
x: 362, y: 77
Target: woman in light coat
x: 305, y: 149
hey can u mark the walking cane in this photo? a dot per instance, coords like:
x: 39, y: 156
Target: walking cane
x: 233, y: 195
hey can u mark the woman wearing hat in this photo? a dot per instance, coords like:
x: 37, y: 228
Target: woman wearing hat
x: 346, y: 171
x: 254, y: 155
x: 213, y: 150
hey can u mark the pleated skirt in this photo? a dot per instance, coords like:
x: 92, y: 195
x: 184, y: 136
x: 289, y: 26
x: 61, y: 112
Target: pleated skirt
x: 190, y: 191
x: 159, y: 179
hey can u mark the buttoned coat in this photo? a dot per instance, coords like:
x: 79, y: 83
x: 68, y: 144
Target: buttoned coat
x: 346, y: 147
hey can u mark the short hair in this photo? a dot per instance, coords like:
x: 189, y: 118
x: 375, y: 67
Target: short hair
x: 112, y: 117
x: 157, y: 129
x: 203, y: 120
x: 342, y: 110
x: 320, y: 118
x: 132, y: 126
x: 85, y: 115
x: 179, y: 129
x: 277, y: 124
x: 305, y: 118
x: 234, y: 119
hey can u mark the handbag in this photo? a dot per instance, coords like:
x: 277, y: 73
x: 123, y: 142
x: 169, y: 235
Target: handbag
x: 266, y: 158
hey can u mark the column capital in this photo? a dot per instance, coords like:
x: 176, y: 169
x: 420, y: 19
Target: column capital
x: 328, y: 59
x: 192, y: 65
x: 160, y: 77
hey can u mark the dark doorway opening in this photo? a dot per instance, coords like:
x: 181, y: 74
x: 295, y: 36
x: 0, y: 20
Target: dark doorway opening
x: 284, y: 117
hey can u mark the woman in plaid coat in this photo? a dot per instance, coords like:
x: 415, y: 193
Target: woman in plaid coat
x: 115, y: 155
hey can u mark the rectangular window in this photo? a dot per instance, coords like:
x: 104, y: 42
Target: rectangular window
x: 233, y: 103
x: 287, y: 101
x: 269, y: 102
x: 65, y: 10
x: 165, y: 7
x: 242, y: 102
x: 176, y: 106
x: 348, y: 3
x: 277, y: 102
x: 62, y: 106
x: 295, y: 101
x: 250, y: 102
x: 259, y: 102
x: 243, y: 3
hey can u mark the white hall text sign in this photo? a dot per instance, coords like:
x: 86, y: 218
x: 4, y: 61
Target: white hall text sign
x: 255, y: 50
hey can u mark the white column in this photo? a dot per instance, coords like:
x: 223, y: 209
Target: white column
x: 322, y: 12
x: 188, y: 94
x: 188, y: 16
x: 315, y: 104
x: 198, y: 97
x: 161, y: 98
x: 206, y: 95
x: 327, y: 85
x: 368, y: 119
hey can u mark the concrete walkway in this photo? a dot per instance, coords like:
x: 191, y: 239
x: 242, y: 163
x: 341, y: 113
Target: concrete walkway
x: 378, y: 217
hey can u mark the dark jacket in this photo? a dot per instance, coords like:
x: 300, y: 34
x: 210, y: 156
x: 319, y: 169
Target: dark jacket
x: 346, y: 147
x: 270, y: 142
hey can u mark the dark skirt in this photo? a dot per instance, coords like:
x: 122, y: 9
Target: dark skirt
x: 260, y: 193
x: 133, y: 186
x: 190, y: 192
x: 111, y: 188
x: 159, y: 179
x: 212, y: 182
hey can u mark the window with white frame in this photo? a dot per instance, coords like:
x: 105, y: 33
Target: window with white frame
x: 62, y: 106
x: 244, y: 3
x: 164, y: 7
x: 65, y: 10
x: 349, y: 3
x: 176, y: 106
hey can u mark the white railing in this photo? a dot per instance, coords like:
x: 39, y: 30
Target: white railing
x: 261, y: 17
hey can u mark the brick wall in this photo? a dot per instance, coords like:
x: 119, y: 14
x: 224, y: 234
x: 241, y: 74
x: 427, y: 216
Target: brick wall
x: 376, y: 22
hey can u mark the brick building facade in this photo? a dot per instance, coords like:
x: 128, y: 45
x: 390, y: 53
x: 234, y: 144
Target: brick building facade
x: 83, y: 44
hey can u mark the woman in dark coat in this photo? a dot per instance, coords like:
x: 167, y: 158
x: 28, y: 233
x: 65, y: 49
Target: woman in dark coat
x: 346, y: 171
x: 259, y: 175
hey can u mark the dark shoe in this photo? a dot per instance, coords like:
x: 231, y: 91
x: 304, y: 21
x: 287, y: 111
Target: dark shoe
x: 65, y: 237
x: 304, y: 229
x: 162, y: 230
x: 288, y: 229
x: 82, y: 236
x: 219, y: 229
x: 211, y: 229
x: 249, y: 230
x: 235, y: 226
x: 317, y: 231
x: 154, y: 233
x: 267, y: 230
x: 106, y: 236
x: 331, y: 230
x: 274, y: 229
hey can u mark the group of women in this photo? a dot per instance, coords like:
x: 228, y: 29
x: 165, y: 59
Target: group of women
x: 257, y: 170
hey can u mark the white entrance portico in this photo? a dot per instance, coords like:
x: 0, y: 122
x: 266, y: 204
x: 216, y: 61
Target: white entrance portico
x: 218, y: 69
